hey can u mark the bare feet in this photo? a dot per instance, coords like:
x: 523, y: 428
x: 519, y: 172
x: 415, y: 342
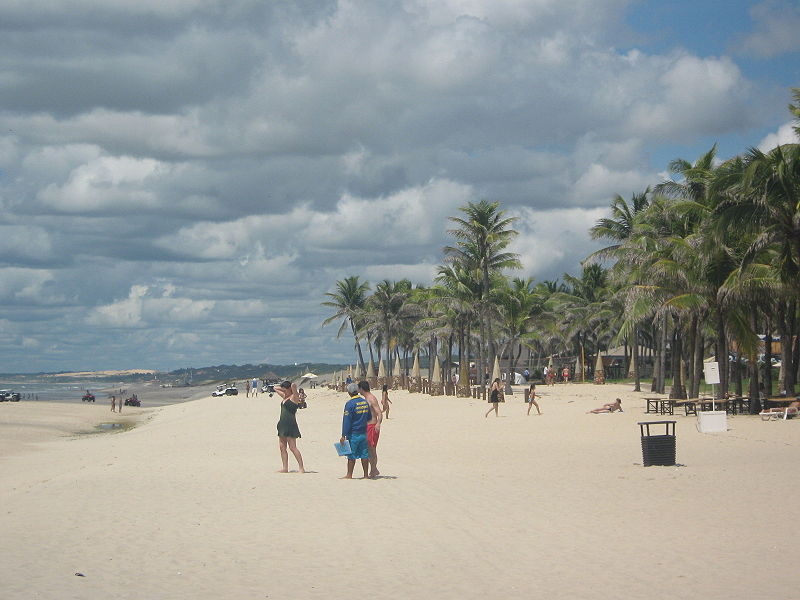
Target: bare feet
x: 282, y: 471
x: 374, y: 474
x: 346, y: 477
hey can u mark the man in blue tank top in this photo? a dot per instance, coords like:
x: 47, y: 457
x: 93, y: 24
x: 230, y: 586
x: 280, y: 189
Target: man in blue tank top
x: 354, y: 429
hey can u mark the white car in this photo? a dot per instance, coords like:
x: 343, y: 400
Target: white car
x: 225, y: 390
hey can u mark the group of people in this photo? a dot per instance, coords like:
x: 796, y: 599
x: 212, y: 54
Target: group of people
x: 496, y: 396
x: 550, y: 374
x: 361, y: 426
x: 252, y: 386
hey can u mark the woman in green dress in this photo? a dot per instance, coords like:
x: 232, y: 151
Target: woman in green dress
x: 288, y: 431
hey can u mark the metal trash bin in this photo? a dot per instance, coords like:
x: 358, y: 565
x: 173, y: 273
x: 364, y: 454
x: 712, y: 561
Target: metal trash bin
x: 658, y: 449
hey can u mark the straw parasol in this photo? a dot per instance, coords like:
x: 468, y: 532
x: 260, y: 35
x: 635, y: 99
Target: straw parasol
x: 599, y: 372
x: 381, y: 370
x: 496, y: 368
x: 415, y: 367
x: 397, y: 368
x: 370, y: 370
x: 437, y: 371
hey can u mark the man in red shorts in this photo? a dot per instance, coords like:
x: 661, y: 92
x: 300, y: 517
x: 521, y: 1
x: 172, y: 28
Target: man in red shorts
x: 373, y: 427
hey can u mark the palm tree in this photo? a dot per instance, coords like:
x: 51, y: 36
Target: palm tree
x: 482, y: 236
x: 618, y: 228
x: 348, y: 300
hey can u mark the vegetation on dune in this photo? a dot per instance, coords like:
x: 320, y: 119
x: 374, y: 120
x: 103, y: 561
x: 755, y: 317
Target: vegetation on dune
x: 698, y: 265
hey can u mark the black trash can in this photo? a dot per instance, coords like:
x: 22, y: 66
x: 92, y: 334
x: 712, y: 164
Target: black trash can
x: 658, y: 449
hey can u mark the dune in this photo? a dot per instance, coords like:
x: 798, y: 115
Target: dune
x: 187, y: 504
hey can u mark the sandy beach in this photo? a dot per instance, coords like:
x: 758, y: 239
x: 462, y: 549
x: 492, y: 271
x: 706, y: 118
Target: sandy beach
x: 187, y: 503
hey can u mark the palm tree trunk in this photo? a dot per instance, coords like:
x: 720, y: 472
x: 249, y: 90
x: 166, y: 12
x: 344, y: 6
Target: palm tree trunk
x: 768, y: 357
x: 637, y: 387
x: 699, y: 344
x: 755, y: 398
x: 722, y: 354
x: 787, y: 321
x: 358, y: 346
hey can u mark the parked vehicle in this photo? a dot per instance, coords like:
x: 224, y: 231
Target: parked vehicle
x: 9, y: 396
x: 225, y: 390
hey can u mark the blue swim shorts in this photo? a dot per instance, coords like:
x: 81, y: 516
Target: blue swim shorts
x: 358, y: 446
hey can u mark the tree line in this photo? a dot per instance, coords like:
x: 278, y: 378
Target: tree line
x: 706, y: 263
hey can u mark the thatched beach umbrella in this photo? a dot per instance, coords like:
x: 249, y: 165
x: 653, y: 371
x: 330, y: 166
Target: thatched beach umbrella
x: 496, y: 368
x: 398, y: 372
x: 381, y: 370
x: 436, y: 387
x: 414, y: 386
x: 370, y: 370
x: 599, y: 371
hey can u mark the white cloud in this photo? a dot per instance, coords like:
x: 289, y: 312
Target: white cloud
x: 784, y: 135
x: 775, y: 31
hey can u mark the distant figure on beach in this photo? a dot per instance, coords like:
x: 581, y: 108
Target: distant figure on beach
x: 302, y: 395
x: 349, y: 380
x: 354, y: 429
x: 608, y: 408
x: 565, y: 374
x: 373, y: 427
x: 551, y: 377
x: 527, y: 375
x: 495, y: 397
x: 532, y: 399
x: 247, y: 388
x: 385, y: 402
x: 113, y: 404
x: 254, y: 386
x: 288, y: 431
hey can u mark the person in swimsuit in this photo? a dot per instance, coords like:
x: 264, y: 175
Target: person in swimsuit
x: 532, y: 399
x: 385, y: 402
x: 288, y: 431
x: 373, y: 427
x: 495, y: 395
x: 608, y: 408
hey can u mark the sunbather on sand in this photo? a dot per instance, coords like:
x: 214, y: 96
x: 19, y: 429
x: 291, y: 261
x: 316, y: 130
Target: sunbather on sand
x: 608, y: 408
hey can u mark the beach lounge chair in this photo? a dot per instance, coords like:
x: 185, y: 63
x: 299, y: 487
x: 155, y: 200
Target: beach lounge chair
x: 774, y: 415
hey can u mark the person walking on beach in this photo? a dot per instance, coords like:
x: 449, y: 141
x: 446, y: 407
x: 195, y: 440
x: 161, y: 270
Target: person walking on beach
x: 354, y: 429
x: 532, y: 399
x: 288, y: 431
x: 385, y: 402
x: 373, y: 427
x: 565, y: 374
x: 254, y: 386
x: 247, y: 387
x: 113, y: 404
x: 495, y: 397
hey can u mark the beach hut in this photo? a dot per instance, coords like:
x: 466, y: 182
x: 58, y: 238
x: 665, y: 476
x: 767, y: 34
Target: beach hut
x: 599, y: 370
x: 436, y: 387
x: 415, y: 384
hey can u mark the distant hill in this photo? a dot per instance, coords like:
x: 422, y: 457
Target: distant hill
x: 189, y: 376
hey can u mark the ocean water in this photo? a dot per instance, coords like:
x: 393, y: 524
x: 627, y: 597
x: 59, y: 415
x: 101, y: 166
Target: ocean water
x: 48, y: 391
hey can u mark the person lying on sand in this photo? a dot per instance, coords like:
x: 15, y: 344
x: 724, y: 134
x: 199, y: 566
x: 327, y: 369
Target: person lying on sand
x: 608, y: 408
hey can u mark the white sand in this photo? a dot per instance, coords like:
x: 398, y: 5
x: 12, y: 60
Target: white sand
x: 188, y: 504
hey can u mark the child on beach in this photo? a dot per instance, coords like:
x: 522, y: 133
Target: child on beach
x: 532, y: 399
x: 385, y: 402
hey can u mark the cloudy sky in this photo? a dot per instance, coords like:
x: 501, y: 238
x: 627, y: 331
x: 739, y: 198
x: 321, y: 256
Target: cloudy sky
x: 181, y: 181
